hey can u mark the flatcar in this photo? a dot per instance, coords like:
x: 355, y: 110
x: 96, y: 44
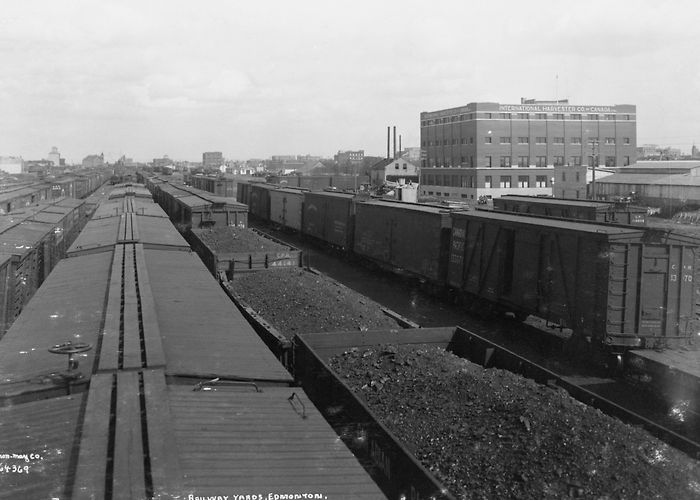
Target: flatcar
x: 131, y: 374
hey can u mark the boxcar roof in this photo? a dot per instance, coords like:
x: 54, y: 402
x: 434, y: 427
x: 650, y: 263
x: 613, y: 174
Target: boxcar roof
x: 406, y: 206
x: 46, y: 428
x: 67, y: 307
x: 228, y: 347
x: 532, y: 220
x: 555, y: 201
x: 274, y: 441
x: 331, y: 194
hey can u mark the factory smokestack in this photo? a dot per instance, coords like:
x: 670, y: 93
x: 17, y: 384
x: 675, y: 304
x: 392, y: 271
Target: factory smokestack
x: 400, y: 149
x: 394, y: 141
x: 388, y: 141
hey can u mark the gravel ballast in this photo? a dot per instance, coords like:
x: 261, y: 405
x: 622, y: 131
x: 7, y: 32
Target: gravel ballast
x: 298, y: 301
x: 488, y: 433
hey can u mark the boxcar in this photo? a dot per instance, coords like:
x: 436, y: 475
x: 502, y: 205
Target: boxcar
x: 330, y: 218
x: 620, y: 286
x: 286, y: 207
x: 599, y: 211
x: 404, y: 236
x: 259, y: 202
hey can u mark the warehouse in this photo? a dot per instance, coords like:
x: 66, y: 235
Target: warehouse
x: 484, y: 143
x: 669, y: 185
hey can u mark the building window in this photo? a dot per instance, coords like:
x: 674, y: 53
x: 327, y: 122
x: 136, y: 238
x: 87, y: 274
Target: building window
x: 505, y: 116
x: 454, y: 141
x: 575, y: 140
x: 609, y: 117
x: 487, y: 115
x: 487, y: 181
x: 593, y: 116
x: 578, y: 177
x: 405, y: 166
x: 487, y: 140
x: 488, y: 161
x: 505, y: 140
x: 523, y: 140
x: 575, y: 116
x: 541, y: 116
x: 505, y: 161
x: 422, y: 143
x: 541, y: 181
x: 523, y: 161
x: 575, y: 161
x: 592, y: 141
x: 523, y: 116
x: 626, y: 140
x: 397, y: 166
x: 558, y: 140
x: 610, y: 140
x: 627, y: 160
x: 471, y: 140
x: 461, y: 118
x: 471, y: 162
x: 505, y: 181
x: 558, y: 161
x: 444, y: 142
x: 563, y: 176
x: 558, y: 116
x: 626, y: 117
x: 610, y: 161
x: 462, y: 140
x: 540, y: 140
x: 541, y: 161
x: 523, y: 181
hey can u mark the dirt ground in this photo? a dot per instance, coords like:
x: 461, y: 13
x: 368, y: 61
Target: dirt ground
x: 298, y: 301
x: 488, y: 433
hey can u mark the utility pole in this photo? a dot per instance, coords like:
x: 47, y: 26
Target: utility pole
x: 595, y: 164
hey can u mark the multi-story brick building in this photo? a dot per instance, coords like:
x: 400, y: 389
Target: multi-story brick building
x: 212, y: 160
x: 491, y: 149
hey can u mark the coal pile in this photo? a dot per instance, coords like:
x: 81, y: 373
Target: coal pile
x: 488, y: 433
x: 235, y: 239
x: 298, y: 301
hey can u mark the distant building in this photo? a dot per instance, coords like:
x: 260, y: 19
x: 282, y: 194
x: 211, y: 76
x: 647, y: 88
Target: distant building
x: 12, y: 164
x: 213, y: 160
x: 349, y: 157
x: 491, y: 149
x: 39, y: 168
x: 670, y: 185
x: 54, y: 157
x: 94, y: 161
x: 162, y: 162
x: 400, y: 171
x: 695, y: 152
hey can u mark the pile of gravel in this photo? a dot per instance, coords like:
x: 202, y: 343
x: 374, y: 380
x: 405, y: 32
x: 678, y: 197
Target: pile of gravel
x: 488, y: 433
x: 298, y: 301
x: 235, y: 240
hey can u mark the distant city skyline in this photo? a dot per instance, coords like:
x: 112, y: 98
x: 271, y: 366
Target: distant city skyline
x: 146, y: 79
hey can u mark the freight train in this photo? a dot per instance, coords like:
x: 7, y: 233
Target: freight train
x: 616, y: 286
x: 130, y: 374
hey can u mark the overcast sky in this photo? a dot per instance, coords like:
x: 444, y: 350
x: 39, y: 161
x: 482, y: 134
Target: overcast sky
x: 259, y: 78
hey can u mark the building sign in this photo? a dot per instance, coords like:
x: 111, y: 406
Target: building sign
x: 554, y: 108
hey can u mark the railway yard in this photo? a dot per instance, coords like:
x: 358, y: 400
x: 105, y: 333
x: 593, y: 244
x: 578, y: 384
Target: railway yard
x: 177, y: 353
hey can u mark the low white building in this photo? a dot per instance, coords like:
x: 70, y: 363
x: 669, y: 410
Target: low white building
x: 399, y: 171
x: 12, y: 164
